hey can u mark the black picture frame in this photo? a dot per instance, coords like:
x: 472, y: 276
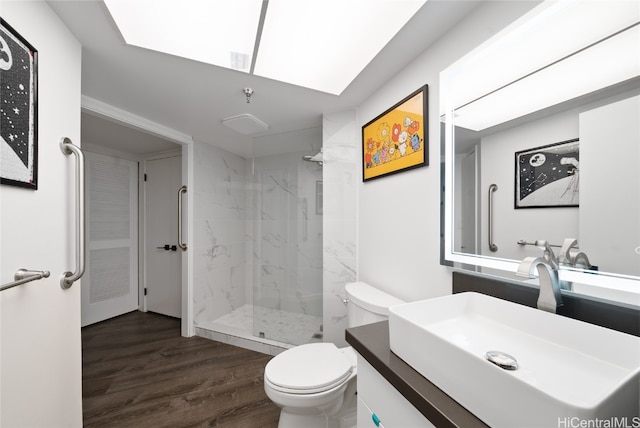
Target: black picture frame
x: 397, y: 140
x: 548, y: 176
x: 18, y: 109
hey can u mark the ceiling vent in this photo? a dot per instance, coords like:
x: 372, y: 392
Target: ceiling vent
x: 246, y: 124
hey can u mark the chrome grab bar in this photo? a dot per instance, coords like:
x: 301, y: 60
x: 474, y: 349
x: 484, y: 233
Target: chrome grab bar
x: 68, y: 278
x: 22, y: 276
x: 181, y: 192
x: 492, y: 246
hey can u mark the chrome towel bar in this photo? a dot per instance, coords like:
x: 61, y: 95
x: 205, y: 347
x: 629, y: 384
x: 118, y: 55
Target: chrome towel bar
x: 68, y: 278
x: 22, y: 276
x: 524, y: 242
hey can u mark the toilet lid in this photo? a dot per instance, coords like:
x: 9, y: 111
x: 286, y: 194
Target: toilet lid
x: 313, y: 367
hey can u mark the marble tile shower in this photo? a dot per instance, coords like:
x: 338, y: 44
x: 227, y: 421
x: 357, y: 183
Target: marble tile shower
x: 340, y: 135
x: 258, y: 245
x: 219, y: 233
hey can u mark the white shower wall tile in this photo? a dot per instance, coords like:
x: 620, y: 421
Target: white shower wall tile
x: 219, y: 271
x: 229, y: 292
x: 220, y: 239
x: 202, y: 298
x: 340, y: 136
x: 310, y: 290
x: 219, y: 232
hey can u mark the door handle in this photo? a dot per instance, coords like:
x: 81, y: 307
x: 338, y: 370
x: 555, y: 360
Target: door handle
x: 168, y: 247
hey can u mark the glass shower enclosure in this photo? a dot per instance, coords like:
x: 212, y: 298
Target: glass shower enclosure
x: 287, y: 247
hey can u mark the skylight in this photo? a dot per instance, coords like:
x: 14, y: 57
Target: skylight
x: 318, y: 44
x: 213, y: 31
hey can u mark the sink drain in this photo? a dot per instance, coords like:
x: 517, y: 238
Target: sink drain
x: 502, y: 360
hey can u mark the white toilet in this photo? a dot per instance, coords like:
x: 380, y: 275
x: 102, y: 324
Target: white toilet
x: 315, y: 384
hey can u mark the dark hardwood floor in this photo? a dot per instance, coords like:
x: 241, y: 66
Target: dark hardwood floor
x: 137, y: 371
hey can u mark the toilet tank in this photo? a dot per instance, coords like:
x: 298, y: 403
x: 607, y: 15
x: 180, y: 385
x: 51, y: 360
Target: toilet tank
x: 366, y: 304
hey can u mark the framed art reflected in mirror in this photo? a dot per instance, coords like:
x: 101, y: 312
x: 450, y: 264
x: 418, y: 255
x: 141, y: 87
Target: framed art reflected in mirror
x: 548, y: 176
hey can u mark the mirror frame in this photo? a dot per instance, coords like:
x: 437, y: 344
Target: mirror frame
x: 606, y: 280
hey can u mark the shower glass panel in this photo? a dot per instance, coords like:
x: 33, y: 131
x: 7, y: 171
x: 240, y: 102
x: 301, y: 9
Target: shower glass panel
x: 287, y: 248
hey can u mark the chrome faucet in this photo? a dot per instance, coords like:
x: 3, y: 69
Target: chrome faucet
x: 549, y: 298
x: 580, y: 259
x: 547, y: 253
x: 573, y: 257
x: 564, y: 258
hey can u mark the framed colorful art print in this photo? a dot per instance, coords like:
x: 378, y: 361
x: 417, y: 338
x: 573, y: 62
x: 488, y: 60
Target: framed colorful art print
x: 397, y: 140
x: 18, y: 109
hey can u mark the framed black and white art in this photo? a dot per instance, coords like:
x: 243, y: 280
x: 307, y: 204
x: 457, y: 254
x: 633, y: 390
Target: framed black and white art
x: 548, y: 176
x: 18, y: 109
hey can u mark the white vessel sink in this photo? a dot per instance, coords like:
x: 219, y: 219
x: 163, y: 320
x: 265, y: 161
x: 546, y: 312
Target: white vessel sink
x: 566, y: 368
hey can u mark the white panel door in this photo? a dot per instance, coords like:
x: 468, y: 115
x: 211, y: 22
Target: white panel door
x: 163, y: 257
x: 40, y: 348
x: 110, y: 285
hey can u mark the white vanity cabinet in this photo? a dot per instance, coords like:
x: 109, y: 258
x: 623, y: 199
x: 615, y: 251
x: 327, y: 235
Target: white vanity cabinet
x: 377, y: 396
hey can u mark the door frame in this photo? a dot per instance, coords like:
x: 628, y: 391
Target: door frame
x: 104, y: 110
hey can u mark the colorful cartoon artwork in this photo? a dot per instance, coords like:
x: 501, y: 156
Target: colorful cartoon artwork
x: 395, y: 140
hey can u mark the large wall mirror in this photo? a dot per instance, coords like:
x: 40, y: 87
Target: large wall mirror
x: 541, y: 133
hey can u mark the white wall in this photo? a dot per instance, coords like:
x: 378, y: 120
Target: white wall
x: 399, y: 215
x: 40, y: 370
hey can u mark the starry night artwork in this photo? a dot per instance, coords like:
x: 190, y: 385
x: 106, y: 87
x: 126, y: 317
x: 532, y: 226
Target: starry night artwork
x: 548, y: 176
x: 18, y: 109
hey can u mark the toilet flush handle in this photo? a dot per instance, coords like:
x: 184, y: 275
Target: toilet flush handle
x: 345, y: 301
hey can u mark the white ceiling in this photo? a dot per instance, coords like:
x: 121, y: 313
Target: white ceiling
x: 193, y: 98
x: 97, y: 131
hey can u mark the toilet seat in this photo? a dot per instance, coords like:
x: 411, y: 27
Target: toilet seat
x: 308, y: 369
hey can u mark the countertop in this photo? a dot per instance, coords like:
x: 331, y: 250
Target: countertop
x: 372, y: 342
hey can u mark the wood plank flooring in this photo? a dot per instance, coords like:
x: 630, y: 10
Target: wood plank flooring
x: 137, y: 371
